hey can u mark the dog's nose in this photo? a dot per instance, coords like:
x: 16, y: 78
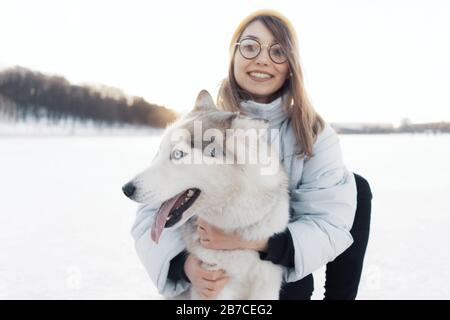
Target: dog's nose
x: 129, y: 189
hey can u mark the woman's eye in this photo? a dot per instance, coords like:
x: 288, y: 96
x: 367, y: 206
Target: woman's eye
x: 177, y: 154
x: 277, y: 52
x: 250, y: 48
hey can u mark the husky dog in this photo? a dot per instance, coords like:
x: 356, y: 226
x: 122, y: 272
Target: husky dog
x: 236, y: 196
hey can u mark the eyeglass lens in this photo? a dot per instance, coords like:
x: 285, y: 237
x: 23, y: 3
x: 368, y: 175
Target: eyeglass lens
x: 250, y: 49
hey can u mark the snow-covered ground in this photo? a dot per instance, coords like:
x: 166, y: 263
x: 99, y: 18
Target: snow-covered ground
x: 64, y: 222
x: 69, y: 127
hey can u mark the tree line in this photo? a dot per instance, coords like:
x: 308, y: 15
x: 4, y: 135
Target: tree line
x: 26, y: 94
x: 431, y: 127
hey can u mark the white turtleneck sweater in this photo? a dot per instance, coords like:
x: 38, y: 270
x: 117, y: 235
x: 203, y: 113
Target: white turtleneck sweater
x: 272, y: 112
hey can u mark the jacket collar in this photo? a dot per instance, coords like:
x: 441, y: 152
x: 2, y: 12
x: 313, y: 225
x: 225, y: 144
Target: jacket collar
x: 272, y: 112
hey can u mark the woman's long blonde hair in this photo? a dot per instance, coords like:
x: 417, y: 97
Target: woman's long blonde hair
x: 305, y: 121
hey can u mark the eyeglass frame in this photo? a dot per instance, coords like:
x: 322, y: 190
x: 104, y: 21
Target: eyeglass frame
x: 261, y: 46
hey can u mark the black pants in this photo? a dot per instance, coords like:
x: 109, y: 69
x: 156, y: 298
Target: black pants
x: 344, y: 273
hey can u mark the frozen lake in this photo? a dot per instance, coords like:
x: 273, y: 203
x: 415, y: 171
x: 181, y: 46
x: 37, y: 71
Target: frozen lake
x: 64, y: 222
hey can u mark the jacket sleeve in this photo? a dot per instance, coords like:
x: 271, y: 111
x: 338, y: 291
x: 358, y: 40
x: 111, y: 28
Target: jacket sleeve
x: 322, y: 207
x: 156, y: 258
x: 280, y: 250
x: 176, y: 268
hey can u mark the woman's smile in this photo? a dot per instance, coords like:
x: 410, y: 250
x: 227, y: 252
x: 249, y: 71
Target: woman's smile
x: 260, y: 76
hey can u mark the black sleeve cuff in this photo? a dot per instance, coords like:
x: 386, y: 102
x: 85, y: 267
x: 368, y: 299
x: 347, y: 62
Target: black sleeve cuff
x: 280, y: 249
x: 176, y: 268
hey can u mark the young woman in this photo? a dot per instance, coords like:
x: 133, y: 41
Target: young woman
x: 265, y: 81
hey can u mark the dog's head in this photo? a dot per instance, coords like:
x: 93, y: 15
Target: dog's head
x: 198, y: 162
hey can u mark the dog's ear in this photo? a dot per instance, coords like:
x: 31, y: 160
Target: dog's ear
x: 204, y: 102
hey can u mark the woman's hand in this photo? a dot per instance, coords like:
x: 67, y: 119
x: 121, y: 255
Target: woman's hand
x: 208, y: 284
x: 212, y: 237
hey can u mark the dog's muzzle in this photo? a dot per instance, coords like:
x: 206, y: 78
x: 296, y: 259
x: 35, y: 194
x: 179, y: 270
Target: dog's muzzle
x: 129, y: 189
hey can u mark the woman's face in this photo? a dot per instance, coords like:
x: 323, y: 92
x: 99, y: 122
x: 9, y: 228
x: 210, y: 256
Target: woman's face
x: 260, y: 76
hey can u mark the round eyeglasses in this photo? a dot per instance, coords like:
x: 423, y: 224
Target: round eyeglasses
x: 251, y: 48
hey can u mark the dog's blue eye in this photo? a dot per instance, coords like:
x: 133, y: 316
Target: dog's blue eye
x: 177, y: 154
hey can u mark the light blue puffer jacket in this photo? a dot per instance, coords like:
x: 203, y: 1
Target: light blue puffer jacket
x: 322, y: 205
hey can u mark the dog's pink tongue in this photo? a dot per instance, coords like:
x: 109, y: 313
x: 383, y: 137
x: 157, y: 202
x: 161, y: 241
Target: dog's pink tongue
x: 161, y: 217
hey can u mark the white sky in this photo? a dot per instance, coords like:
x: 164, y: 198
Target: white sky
x: 368, y: 61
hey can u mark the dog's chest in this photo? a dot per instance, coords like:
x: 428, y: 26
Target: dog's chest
x: 236, y: 263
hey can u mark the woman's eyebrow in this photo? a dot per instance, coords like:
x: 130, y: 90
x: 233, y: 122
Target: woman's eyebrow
x: 255, y: 37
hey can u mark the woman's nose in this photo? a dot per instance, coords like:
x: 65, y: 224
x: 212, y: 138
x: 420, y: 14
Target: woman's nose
x: 263, y: 57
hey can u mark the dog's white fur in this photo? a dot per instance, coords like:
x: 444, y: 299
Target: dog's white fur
x: 236, y: 198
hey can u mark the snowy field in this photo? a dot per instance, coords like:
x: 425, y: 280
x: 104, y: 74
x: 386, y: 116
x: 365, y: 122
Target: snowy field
x: 64, y: 222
